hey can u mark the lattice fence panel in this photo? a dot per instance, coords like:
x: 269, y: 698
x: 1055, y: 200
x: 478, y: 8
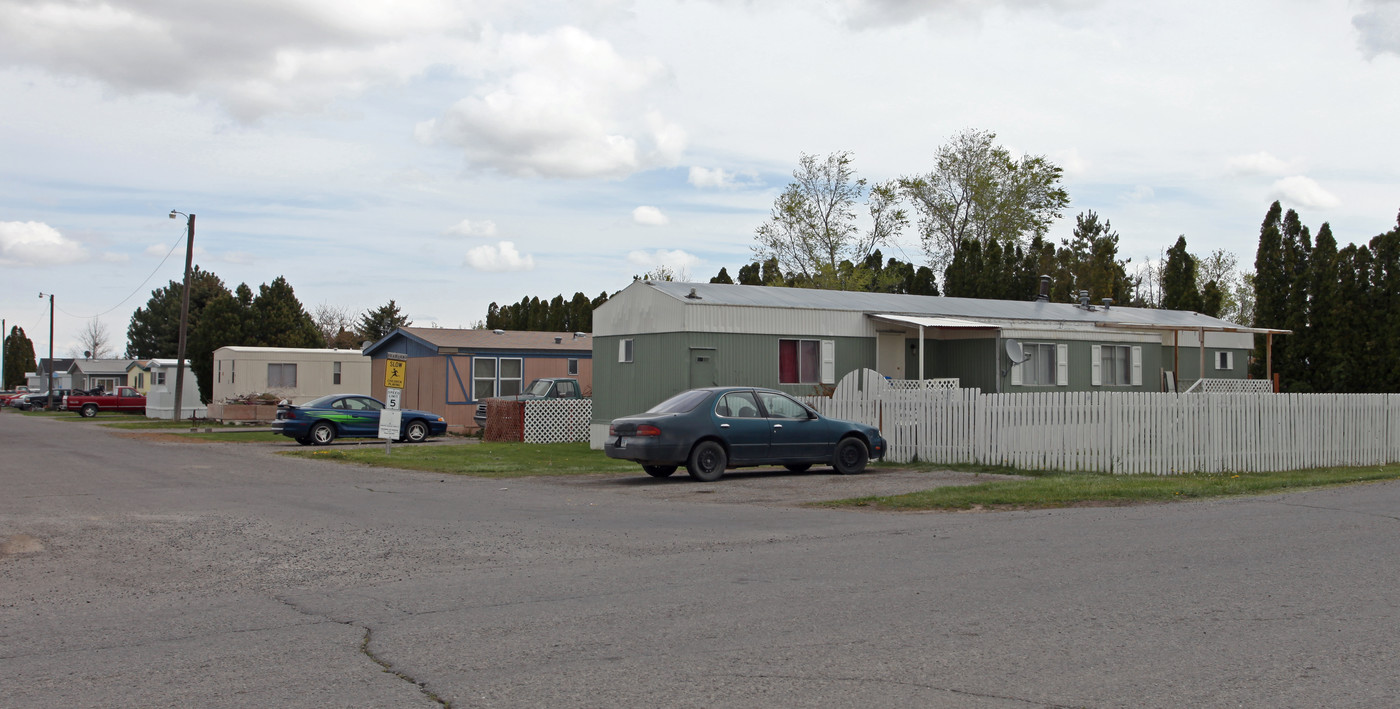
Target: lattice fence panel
x: 1231, y: 386
x: 557, y: 420
x: 924, y: 384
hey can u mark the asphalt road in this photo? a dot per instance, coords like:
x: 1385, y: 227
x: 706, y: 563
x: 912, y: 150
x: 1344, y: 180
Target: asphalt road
x: 143, y: 574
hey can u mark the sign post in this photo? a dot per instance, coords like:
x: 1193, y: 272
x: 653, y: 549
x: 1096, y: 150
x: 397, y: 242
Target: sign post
x: 391, y: 418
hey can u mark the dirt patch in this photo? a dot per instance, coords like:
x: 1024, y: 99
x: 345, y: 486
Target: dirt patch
x: 776, y: 487
x: 20, y: 544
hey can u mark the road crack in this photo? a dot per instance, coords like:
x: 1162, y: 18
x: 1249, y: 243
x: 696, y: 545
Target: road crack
x: 365, y: 650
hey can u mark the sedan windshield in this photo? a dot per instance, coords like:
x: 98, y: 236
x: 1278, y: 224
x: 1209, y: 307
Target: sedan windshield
x: 681, y: 403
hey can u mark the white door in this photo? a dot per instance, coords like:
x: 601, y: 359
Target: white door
x: 889, y: 354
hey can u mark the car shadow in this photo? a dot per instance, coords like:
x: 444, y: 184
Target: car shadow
x: 681, y: 477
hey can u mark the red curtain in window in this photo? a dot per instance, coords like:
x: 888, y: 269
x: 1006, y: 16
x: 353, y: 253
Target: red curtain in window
x: 787, y: 361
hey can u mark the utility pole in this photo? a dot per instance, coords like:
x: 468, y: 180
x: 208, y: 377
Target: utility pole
x: 49, y: 405
x: 184, y: 314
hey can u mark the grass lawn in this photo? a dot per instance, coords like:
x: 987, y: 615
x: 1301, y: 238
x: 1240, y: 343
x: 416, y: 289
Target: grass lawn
x: 1059, y: 489
x: 492, y: 460
x: 141, y: 423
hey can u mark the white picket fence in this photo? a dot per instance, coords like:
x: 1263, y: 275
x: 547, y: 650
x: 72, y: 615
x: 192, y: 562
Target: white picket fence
x: 1123, y: 432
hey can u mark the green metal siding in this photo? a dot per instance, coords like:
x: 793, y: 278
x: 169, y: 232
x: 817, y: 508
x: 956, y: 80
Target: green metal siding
x: 1190, y: 361
x: 660, y: 366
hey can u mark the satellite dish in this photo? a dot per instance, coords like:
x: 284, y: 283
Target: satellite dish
x: 1015, y: 352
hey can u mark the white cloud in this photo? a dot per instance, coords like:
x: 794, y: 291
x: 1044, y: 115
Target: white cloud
x: 565, y: 104
x: 251, y: 58
x: 1378, y: 27
x: 500, y: 257
x: 879, y: 13
x: 1140, y: 193
x: 37, y: 244
x: 677, y: 261
x: 238, y: 257
x: 1304, y: 192
x: 650, y: 216
x: 109, y: 257
x: 1261, y: 163
x: 1070, y: 161
x: 468, y: 227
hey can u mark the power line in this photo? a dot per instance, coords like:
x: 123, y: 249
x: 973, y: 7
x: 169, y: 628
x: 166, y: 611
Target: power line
x: 133, y: 292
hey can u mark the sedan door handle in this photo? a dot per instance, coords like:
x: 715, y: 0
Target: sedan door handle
x: 777, y: 425
x: 724, y: 425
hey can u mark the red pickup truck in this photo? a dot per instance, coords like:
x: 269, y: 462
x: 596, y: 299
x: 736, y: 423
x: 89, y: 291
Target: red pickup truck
x: 126, y: 400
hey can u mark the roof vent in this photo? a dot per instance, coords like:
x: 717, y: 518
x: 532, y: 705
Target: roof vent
x: 578, y: 335
x: 1107, y: 302
x: 1044, y: 295
x: 499, y: 332
x: 558, y: 340
x: 693, y: 295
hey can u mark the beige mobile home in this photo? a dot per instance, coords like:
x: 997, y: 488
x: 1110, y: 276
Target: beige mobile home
x: 297, y: 375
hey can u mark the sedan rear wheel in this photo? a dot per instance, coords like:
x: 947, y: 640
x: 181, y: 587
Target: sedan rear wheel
x: 322, y: 433
x: 707, y: 461
x: 659, y: 471
x: 850, y: 456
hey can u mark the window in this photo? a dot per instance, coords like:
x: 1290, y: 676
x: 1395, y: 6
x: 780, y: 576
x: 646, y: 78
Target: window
x: 159, y: 377
x: 1115, y: 365
x: 799, y: 361
x: 232, y: 374
x: 782, y: 407
x: 573, y: 367
x: 218, y: 370
x: 335, y: 373
x: 624, y: 350
x: 493, y: 376
x: 1225, y: 360
x: 1040, y: 365
x: 483, y: 377
x: 281, y: 376
x: 737, y: 404
x: 140, y: 380
x: 566, y: 390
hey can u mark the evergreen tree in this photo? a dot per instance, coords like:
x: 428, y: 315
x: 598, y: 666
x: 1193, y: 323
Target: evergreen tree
x: 960, y: 278
x: 1090, y: 259
x: 723, y: 276
x: 19, y: 357
x: 280, y: 319
x: 378, y: 323
x: 221, y: 324
x: 1290, y: 354
x: 1323, y: 347
x: 155, y: 329
x: 1270, y: 285
x: 1179, y: 290
x: 1384, y: 305
x: 751, y: 274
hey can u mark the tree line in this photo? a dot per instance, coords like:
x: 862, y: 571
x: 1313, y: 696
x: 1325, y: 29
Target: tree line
x: 1342, y: 304
x: 219, y: 317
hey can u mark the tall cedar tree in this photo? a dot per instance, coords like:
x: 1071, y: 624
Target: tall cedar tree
x: 1385, y: 308
x: 554, y: 315
x: 378, y: 323
x: 1321, y: 345
x: 1270, y: 286
x: 1179, y: 291
x: 1090, y: 260
x: 282, y: 321
x: 19, y: 357
x: 222, y: 323
x: 1291, y: 361
x: 1353, y: 320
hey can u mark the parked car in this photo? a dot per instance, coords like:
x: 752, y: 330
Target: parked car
x: 320, y: 421
x: 39, y: 400
x: 716, y: 428
x: 547, y: 388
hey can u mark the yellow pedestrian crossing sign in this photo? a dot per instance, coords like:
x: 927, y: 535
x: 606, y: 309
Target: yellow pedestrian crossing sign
x: 395, y: 370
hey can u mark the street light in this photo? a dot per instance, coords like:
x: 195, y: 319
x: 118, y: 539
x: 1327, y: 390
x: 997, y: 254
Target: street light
x: 184, y: 313
x: 49, y: 405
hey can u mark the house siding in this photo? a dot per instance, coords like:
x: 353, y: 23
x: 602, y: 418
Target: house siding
x: 660, y: 366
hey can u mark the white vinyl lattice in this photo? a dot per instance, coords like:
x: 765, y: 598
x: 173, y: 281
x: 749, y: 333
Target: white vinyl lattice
x: 1231, y: 386
x: 557, y: 420
x: 923, y: 384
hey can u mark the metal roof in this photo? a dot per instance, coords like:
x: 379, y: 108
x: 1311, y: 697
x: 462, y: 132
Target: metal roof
x: 954, y: 323
x: 723, y: 294
x: 490, y: 339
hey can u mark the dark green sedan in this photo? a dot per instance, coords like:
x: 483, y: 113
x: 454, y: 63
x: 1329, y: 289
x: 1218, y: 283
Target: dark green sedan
x: 713, y: 429
x: 320, y: 421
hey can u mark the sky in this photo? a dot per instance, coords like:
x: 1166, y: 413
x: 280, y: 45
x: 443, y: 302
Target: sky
x: 450, y: 153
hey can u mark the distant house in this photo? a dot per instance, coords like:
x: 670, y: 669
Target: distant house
x: 160, y: 394
x: 106, y: 374
x: 295, y: 374
x: 656, y: 338
x: 38, y: 379
x: 450, y: 370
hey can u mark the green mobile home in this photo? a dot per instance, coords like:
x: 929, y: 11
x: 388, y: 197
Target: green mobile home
x: 656, y: 338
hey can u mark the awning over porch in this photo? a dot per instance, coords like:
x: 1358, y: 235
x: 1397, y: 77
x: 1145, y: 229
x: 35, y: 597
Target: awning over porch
x: 924, y: 321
